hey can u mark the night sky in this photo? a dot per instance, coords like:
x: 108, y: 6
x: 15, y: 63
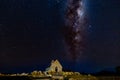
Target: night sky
x: 31, y: 35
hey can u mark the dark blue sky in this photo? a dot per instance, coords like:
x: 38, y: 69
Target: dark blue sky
x: 31, y: 35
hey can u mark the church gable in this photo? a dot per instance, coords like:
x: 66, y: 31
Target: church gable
x: 55, y: 66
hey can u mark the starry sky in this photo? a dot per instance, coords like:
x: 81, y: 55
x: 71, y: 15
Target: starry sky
x: 31, y: 35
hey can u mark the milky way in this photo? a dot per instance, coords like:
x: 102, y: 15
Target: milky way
x: 75, y: 26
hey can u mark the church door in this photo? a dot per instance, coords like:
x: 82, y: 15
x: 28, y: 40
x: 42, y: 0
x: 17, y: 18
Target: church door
x: 56, y: 69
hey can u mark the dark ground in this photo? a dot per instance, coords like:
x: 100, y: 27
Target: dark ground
x: 15, y: 78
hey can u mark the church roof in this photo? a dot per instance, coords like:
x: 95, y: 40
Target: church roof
x: 56, y: 62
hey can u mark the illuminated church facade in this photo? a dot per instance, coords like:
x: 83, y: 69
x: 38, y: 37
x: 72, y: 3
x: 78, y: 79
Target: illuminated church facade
x: 55, y: 67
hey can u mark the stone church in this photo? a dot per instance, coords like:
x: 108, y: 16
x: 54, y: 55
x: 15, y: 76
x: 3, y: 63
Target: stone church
x: 54, y: 67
